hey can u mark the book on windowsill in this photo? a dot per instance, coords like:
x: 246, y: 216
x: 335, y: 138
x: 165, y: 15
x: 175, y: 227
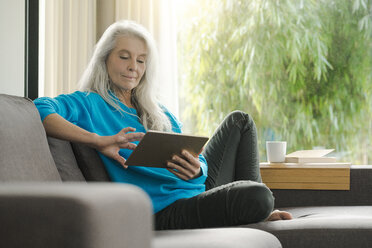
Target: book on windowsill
x: 310, y: 156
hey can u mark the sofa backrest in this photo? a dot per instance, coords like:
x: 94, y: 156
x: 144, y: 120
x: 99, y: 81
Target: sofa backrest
x: 65, y: 160
x: 77, y: 162
x: 90, y: 163
x: 27, y: 154
x: 24, y: 150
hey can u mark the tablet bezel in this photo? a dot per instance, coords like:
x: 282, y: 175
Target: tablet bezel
x: 156, y: 148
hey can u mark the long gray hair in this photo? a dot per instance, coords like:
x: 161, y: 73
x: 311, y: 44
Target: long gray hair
x: 95, y: 77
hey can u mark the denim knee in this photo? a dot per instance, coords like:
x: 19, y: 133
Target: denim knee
x: 253, y: 202
x: 264, y: 197
x: 240, y: 118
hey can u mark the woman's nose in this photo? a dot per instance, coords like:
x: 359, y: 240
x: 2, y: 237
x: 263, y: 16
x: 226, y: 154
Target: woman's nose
x: 132, y: 65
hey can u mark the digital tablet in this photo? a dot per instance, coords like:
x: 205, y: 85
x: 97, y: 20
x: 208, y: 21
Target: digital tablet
x: 156, y: 148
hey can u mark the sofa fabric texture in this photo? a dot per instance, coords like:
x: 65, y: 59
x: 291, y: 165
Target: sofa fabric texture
x: 38, y: 210
x: 74, y: 215
x: 24, y: 153
x: 65, y: 160
x: 215, y: 238
x: 77, y: 162
x: 90, y: 163
x: 323, y: 227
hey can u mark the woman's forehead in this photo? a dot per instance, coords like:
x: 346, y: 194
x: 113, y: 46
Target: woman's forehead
x: 131, y: 44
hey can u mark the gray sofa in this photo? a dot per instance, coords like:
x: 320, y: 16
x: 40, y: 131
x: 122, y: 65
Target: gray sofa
x: 55, y: 193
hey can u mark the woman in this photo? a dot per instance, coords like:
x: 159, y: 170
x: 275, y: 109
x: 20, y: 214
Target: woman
x: 113, y: 110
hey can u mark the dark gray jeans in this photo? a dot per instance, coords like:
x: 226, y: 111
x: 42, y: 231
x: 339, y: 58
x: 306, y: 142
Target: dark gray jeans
x: 234, y: 193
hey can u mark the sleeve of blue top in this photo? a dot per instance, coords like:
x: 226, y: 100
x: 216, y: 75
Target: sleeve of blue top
x: 203, y: 166
x: 68, y: 106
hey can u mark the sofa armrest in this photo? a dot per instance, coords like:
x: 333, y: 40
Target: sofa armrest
x: 74, y: 215
x: 359, y: 193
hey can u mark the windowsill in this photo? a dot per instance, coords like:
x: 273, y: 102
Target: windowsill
x: 361, y: 167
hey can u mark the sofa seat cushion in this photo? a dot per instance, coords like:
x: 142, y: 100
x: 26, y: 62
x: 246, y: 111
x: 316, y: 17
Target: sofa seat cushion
x: 24, y: 150
x: 215, y: 238
x: 325, y: 226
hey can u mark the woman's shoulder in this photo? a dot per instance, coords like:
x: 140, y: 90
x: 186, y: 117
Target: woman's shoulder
x: 167, y: 112
x: 74, y: 95
x: 176, y: 124
x: 75, y: 98
x: 86, y: 96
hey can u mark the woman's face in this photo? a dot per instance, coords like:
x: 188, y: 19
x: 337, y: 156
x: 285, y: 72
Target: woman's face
x: 126, y: 63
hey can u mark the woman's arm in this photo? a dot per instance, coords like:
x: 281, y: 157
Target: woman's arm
x: 56, y: 126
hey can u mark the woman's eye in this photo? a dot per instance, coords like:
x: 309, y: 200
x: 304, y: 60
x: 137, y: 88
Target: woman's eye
x: 141, y: 61
x: 123, y: 57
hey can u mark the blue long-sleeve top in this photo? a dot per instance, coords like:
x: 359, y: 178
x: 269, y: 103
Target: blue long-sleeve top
x: 92, y: 113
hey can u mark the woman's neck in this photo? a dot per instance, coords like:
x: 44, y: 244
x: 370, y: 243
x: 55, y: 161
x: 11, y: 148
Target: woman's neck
x: 125, y: 96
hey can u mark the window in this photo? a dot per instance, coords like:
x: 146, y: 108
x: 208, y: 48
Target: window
x: 301, y: 69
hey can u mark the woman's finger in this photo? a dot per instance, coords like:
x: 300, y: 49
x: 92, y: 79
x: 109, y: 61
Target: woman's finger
x: 128, y: 145
x: 180, y: 175
x: 180, y: 170
x: 128, y: 129
x: 129, y: 137
x: 120, y: 160
x: 134, y: 136
x: 193, y: 160
x: 193, y: 168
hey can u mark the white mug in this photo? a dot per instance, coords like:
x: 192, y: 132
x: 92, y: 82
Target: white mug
x: 276, y: 151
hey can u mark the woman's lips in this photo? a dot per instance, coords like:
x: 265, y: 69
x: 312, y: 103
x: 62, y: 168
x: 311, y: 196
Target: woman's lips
x: 129, y: 77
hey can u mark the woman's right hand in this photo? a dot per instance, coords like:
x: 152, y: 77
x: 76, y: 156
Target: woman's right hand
x: 57, y: 127
x: 111, y: 145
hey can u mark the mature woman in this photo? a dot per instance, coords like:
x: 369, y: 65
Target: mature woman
x: 116, y: 105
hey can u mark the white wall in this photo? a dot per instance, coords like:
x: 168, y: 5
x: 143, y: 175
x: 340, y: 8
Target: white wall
x: 12, y: 37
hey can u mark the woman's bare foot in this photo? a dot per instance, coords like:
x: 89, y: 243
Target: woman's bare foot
x: 279, y: 215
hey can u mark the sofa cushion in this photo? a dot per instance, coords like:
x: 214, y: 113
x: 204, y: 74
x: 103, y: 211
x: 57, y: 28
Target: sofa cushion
x: 64, y: 159
x: 24, y: 150
x: 90, y: 163
x: 338, y: 226
x: 216, y: 238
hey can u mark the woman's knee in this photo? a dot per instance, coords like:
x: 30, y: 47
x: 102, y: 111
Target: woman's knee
x: 240, y: 118
x: 265, y: 199
x: 255, y: 198
x: 258, y: 192
x: 238, y: 115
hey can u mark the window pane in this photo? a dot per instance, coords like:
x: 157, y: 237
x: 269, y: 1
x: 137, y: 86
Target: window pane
x: 301, y: 69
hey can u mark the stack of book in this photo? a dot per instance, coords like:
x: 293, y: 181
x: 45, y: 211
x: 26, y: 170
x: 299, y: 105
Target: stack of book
x: 307, y: 169
x: 310, y: 156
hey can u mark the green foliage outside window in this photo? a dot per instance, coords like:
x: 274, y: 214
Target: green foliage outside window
x: 301, y: 69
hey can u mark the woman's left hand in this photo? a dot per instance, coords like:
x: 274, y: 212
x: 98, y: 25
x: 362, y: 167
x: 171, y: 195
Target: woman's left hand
x: 185, y: 166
